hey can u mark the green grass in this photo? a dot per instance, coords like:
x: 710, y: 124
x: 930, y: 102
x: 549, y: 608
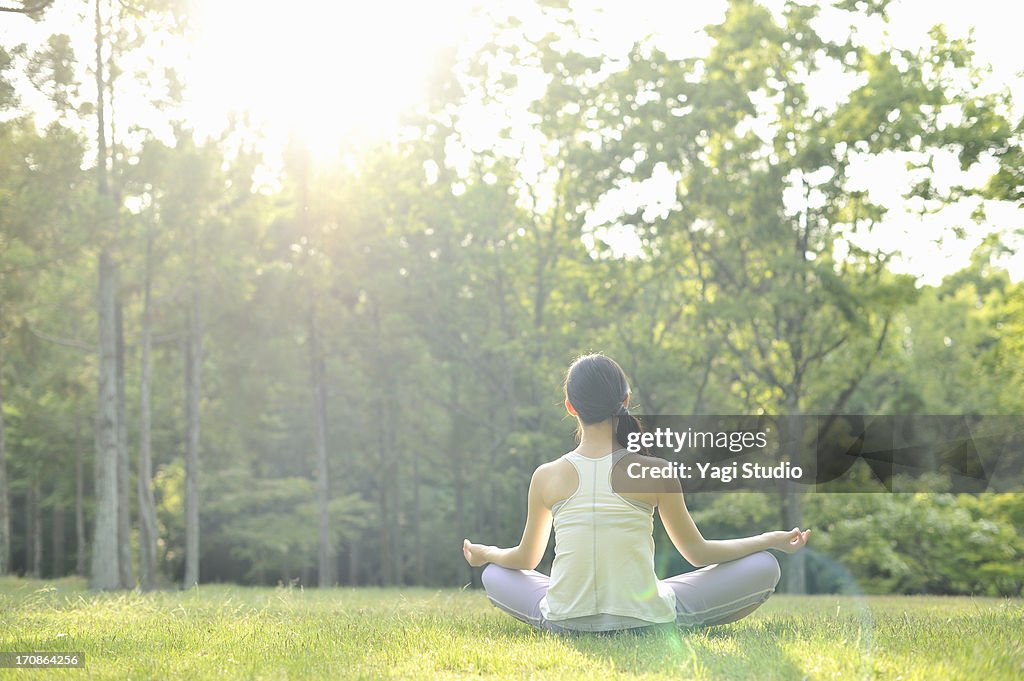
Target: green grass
x: 237, y: 632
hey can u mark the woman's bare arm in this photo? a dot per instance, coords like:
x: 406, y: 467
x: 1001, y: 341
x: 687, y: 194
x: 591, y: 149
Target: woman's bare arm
x: 531, y: 547
x: 699, y: 551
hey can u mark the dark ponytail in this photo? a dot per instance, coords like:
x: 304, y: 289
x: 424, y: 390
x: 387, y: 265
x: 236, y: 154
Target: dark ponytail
x: 596, y: 387
x: 628, y: 424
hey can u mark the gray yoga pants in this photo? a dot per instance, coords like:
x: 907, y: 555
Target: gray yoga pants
x: 704, y: 597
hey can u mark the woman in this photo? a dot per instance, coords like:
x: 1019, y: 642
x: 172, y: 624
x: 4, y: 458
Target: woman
x: 603, y: 576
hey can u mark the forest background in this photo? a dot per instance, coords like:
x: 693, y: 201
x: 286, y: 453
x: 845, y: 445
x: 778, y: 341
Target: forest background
x: 331, y: 360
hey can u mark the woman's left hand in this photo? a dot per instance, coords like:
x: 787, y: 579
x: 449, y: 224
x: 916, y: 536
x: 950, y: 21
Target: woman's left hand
x: 789, y: 542
x: 475, y: 554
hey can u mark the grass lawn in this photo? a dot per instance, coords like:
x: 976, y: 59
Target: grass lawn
x: 238, y: 632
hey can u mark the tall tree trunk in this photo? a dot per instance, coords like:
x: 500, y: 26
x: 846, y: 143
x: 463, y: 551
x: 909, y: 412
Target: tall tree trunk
x: 124, y: 519
x: 353, y: 561
x: 79, y: 503
x: 5, y: 500
x: 124, y: 489
x: 105, y: 555
x: 455, y: 438
x: 395, y: 532
x: 384, y: 489
x: 147, y: 506
x: 317, y: 374
x: 105, y: 569
x: 57, y: 534
x: 35, y: 524
x: 384, y: 500
x: 794, y: 567
x: 417, y: 524
x: 193, y: 377
x: 101, y: 123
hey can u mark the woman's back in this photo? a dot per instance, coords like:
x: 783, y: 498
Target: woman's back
x: 603, y: 575
x: 604, y: 553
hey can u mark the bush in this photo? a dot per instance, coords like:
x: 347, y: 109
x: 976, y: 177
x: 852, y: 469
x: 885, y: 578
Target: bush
x: 896, y: 543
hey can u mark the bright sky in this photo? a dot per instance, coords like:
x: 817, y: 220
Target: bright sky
x: 321, y: 69
x: 332, y: 72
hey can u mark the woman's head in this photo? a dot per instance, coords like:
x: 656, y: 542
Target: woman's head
x: 596, y: 390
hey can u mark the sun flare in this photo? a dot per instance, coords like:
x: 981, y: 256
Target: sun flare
x: 327, y: 72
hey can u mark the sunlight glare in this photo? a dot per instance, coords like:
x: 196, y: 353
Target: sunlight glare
x: 331, y: 73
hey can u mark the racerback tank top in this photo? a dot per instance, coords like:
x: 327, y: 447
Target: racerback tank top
x: 604, y: 552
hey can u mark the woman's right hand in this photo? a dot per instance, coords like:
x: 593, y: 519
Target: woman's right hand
x: 475, y: 554
x: 789, y: 542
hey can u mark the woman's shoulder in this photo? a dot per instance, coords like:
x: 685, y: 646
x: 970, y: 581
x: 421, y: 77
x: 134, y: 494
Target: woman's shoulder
x: 555, y: 467
x: 555, y: 480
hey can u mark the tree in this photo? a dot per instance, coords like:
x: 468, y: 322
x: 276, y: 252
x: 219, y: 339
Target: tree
x: 5, y: 504
x: 6, y: 98
x: 147, y: 506
x: 33, y: 9
x: 106, y: 553
x: 313, y: 268
x: 112, y: 33
x: 765, y: 197
x: 41, y: 210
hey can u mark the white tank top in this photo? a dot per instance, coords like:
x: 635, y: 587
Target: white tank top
x: 604, y: 554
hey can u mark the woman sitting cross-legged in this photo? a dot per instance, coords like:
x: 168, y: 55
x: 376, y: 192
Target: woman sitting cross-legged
x: 603, y: 578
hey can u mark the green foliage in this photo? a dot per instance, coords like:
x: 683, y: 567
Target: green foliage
x: 8, y: 94
x: 451, y: 295
x: 270, y: 525
x: 897, y: 543
x: 925, y: 543
x: 52, y: 71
